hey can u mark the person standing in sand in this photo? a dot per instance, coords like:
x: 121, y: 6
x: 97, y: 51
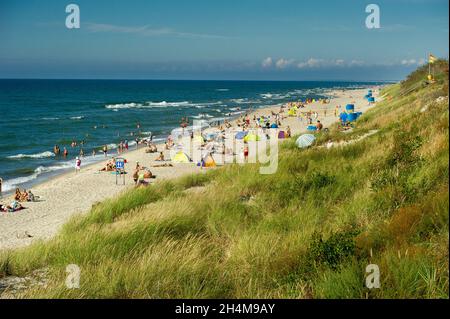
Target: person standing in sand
x: 77, y: 165
x: 105, y: 150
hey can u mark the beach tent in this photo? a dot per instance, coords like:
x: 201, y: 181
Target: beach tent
x: 211, y: 145
x: 211, y: 136
x: 198, y: 139
x: 274, y: 126
x: 352, y: 117
x: 293, y: 111
x: 208, y: 161
x: 371, y: 99
x: 251, y: 138
x: 305, y: 140
x: 181, y: 157
x: 281, y: 134
x: 343, y: 117
x: 241, y: 135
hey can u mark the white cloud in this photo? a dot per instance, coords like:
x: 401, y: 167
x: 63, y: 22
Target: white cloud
x: 318, y: 63
x: 267, y: 62
x: 147, y: 31
x: 356, y: 63
x: 283, y: 63
x: 421, y: 61
x: 409, y: 62
x: 310, y: 63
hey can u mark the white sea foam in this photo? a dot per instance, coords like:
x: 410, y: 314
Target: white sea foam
x: 77, y: 117
x: 123, y: 106
x: 50, y: 118
x: 274, y: 96
x: 112, y: 146
x: 163, y: 104
x: 222, y: 90
x: 202, y: 116
x: 147, y: 105
x: 15, y: 182
x: 168, y: 104
x: 266, y: 95
x: 245, y: 101
x: 38, y: 155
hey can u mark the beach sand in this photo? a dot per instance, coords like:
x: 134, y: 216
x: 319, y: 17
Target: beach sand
x: 68, y: 194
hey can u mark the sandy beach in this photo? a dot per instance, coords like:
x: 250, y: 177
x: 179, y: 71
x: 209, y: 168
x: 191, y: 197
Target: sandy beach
x: 68, y: 194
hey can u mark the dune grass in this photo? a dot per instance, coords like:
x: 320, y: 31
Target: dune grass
x: 308, y: 231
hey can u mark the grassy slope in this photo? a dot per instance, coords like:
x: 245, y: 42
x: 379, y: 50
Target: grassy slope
x: 307, y: 231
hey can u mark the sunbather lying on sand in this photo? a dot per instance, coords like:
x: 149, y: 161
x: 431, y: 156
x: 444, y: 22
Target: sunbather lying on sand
x: 141, y: 178
x: 160, y: 158
x: 151, y: 149
x: 163, y: 165
x: 13, y: 207
x: 109, y: 167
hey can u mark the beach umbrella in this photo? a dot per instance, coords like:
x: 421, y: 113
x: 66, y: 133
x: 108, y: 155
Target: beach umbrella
x: 305, y: 140
x: 241, y: 135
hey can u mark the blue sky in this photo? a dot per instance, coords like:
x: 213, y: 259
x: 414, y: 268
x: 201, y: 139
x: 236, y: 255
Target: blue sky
x: 199, y: 39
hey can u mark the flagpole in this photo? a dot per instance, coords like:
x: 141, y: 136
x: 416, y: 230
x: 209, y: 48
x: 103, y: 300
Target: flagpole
x: 429, y: 65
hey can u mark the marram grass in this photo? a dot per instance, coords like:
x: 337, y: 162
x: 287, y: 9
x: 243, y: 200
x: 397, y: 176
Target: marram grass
x: 308, y: 231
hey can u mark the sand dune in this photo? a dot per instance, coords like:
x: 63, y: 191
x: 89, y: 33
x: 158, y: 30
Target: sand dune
x: 70, y: 193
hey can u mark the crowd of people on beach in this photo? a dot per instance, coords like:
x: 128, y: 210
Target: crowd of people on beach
x: 19, y: 196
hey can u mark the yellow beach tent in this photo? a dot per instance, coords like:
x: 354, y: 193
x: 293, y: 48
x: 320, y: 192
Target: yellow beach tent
x: 293, y: 111
x: 208, y: 161
x: 181, y: 157
x: 251, y: 138
x: 199, y: 139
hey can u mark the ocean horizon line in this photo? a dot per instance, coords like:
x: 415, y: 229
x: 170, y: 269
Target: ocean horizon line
x: 200, y: 80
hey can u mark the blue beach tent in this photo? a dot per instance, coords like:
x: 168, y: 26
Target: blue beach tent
x: 241, y: 135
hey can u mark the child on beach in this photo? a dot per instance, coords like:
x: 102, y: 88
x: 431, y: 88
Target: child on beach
x: 77, y: 165
x: 319, y: 126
